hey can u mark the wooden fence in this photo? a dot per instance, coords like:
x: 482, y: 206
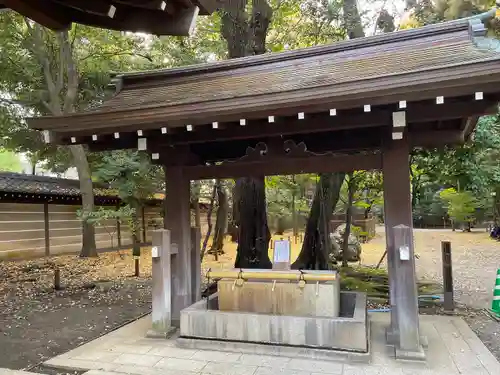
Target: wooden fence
x: 37, y: 229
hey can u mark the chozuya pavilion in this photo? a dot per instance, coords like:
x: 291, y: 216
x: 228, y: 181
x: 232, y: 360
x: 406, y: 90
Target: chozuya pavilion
x: 353, y: 105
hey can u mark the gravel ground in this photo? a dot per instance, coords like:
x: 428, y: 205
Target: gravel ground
x: 37, y: 323
x: 475, y: 258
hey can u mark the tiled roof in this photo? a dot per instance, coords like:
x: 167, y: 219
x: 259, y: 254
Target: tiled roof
x: 29, y: 184
x: 352, y: 70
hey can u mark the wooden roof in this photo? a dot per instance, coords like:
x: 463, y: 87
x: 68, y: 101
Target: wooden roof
x: 172, y: 17
x: 301, y: 108
x: 450, y: 59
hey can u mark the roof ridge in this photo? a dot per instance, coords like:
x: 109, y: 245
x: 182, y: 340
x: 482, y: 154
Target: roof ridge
x: 50, y: 179
x: 475, y: 25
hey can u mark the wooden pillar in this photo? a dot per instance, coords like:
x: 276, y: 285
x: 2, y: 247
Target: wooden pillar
x: 449, y: 304
x: 143, y: 220
x: 118, y: 229
x: 178, y: 221
x: 46, y: 223
x: 404, y: 330
x: 196, y: 263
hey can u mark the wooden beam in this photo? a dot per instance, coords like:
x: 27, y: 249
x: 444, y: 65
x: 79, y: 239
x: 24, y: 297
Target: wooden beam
x: 99, y: 7
x: 44, y: 12
x: 436, y: 138
x: 144, y: 20
x: 277, y: 166
x: 167, y: 6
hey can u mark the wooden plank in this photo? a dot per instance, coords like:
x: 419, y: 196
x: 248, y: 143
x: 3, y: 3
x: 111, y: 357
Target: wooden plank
x: 46, y: 222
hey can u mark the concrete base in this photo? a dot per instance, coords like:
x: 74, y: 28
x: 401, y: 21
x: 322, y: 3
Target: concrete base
x: 274, y: 350
x: 349, y: 331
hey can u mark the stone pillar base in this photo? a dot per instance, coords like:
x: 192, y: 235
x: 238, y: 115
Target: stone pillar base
x: 410, y: 355
x: 161, y: 333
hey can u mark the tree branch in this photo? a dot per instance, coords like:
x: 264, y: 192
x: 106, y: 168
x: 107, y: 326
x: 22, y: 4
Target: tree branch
x: 72, y: 73
x: 36, y: 34
x: 60, y: 76
x: 111, y: 54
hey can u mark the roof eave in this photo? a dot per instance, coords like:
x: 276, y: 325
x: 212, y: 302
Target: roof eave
x: 460, y: 76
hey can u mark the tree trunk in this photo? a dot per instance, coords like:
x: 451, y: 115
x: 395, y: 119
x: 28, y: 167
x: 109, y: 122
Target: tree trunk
x: 86, y: 189
x: 352, y: 19
x: 235, y: 217
x: 316, y: 247
x: 195, y: 202
x: 254, y: 235
x: 61, y: 103
x: 246, y: 35
x: 209, y: 222
x: 295, y: 224
x: 348, y: 219
x: 221, y: 221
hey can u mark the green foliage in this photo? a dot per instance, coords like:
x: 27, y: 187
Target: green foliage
x: 283, y: 194
x: 27, y: 88
x: 131, y: 175
x: 102, y: 216
x: 135, y: 180
x: 461, y: 205
x: 9, y: 161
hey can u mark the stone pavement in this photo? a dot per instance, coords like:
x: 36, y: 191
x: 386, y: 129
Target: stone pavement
x: 453, y: 349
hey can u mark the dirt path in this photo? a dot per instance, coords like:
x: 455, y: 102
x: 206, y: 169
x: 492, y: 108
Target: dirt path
x: 475, y: 257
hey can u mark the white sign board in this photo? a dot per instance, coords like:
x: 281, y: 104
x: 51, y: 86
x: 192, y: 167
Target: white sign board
x: 155, y: 253
x: 404, y: 252
x: 281, y: 253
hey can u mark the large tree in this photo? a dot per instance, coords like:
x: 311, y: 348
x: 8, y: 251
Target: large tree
x: 56, y: 73
x: 245, y: 33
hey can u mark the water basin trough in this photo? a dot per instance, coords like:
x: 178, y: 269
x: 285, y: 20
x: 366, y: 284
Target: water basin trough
x: 307, y: 315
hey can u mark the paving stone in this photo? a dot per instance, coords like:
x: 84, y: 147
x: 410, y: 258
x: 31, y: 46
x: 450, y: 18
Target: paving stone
x: 264, y: 360
x: 181, y: 364
x: 101, y: 356
x: 132, y: 349
x: 173, y: 352
x: 219, y: 368
x: 279, y: 371
x: 315, y: 366
x: 215, y: 356
x: 138, y: 359
x: 371, y: 370
x: 143, y: 370
x: 101, y: 372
